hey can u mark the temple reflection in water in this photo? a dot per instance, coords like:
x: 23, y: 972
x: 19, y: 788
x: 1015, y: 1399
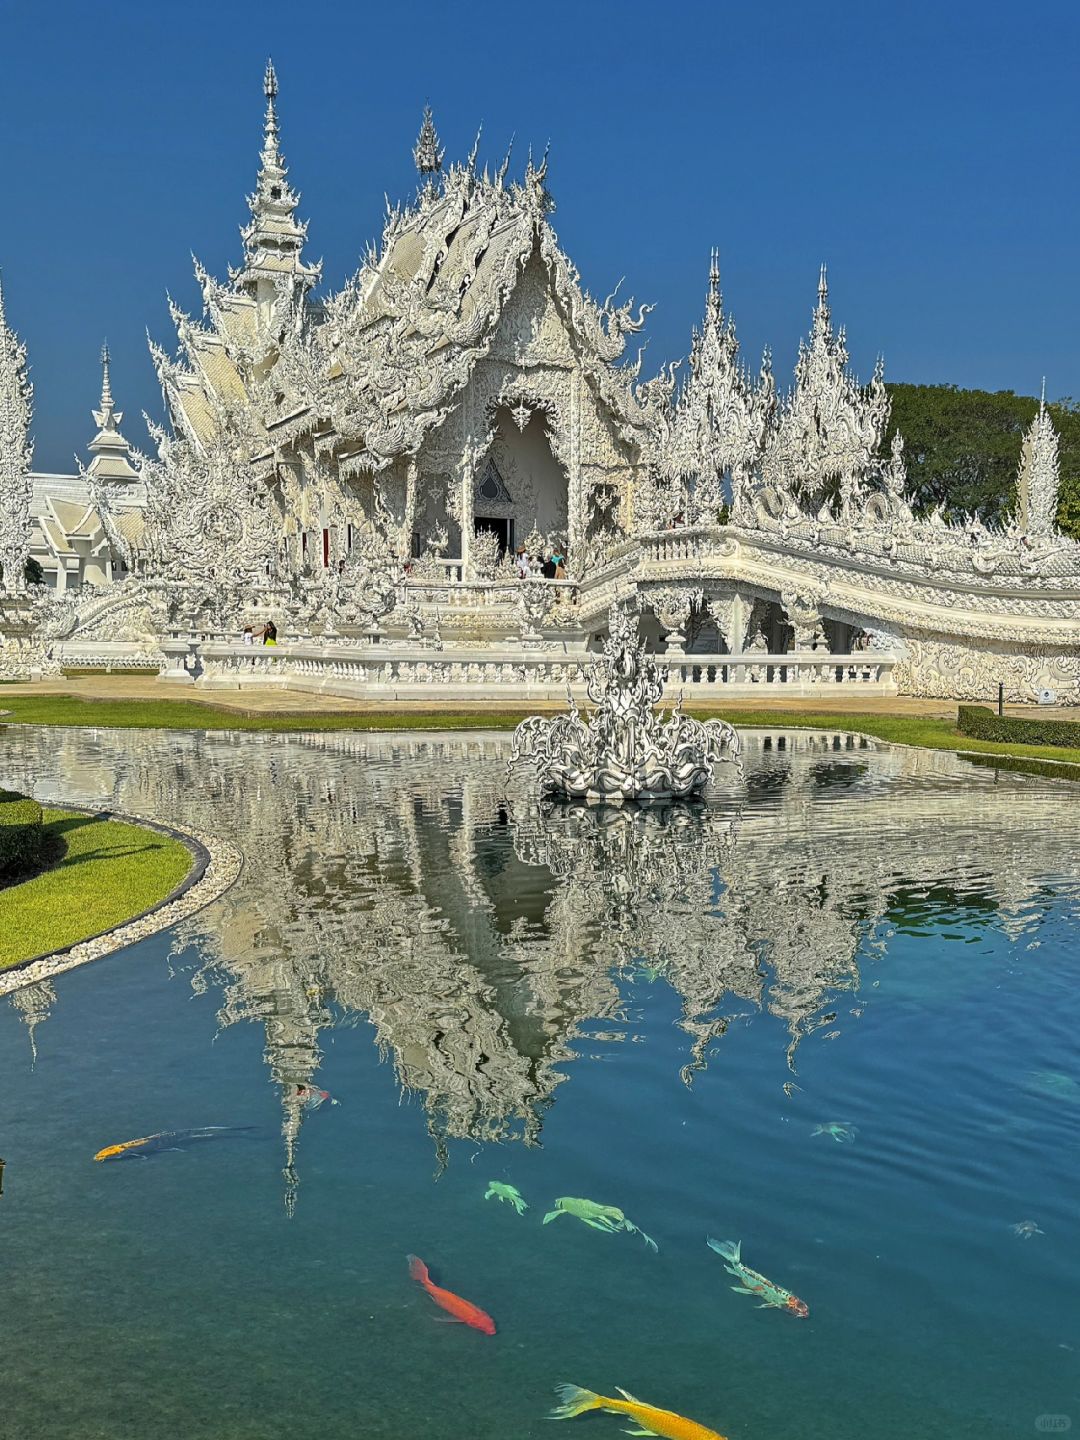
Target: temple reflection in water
x: 399, y: 881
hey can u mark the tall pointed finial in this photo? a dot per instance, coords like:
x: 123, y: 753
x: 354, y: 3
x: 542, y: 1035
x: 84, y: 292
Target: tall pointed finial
x: 270, y: 127
x: 822, y: 318
x: 1042, y: 396
x: 714, y: 271
x: 470, y: 164
x: 274, y: 238
x: 427, y: 152
x: 106, y: 388
x: 505, y: 166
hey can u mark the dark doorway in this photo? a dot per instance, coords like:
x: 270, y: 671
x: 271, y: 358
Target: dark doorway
x: 504, y: 529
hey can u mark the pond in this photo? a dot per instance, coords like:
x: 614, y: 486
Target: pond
x: 832, y: 1015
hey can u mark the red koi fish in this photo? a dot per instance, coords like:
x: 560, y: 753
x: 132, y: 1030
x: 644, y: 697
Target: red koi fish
x: 454, y: 1305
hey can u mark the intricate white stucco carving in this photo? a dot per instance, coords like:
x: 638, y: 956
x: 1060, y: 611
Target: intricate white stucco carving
x: 624, y: 749
x: 16, y: 451
x: 828, y: 428
x: 1037, y: 484
x: 721, y: 418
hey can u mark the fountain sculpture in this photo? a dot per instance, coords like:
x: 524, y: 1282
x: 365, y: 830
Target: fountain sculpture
x: 625, y: 749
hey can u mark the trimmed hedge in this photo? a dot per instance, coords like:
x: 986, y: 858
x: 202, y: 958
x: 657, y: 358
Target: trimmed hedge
x: 21, y: 834
x: 980, y: 722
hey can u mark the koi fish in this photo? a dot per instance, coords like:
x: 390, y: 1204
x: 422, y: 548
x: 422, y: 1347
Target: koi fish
x: 454, y: 1305
x: 608, y: 1218
x: 168, y: 1140
x: 772, y: 1297
x: 508, y: 1194
x: 842, y: 1134
x: 576, y: 1401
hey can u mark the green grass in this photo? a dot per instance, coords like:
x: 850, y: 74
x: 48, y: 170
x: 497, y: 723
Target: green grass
x: 173, y: 714
x: 101, y: 873
x: 167, y: 714
x: 924, y: 730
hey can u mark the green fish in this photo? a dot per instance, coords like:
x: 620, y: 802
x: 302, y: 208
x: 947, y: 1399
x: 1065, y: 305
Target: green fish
x: 507, y: 1194
x: 608, y: 1218
x: 842, y: 1134
x: 1053, y: 1082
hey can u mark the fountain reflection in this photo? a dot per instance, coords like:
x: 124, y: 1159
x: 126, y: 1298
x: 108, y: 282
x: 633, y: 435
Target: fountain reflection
x: 393, y: 881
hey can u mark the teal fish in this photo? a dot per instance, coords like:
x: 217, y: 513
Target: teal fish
x: 772, y: 1297
x: 1053, y: 1082
x: 842, y: 1134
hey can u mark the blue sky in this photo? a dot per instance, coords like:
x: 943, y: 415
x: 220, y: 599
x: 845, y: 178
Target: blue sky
x: 927, y: 152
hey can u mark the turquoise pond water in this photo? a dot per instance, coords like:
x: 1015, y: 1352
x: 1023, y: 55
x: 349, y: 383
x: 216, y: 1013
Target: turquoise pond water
x: 651, y: 1011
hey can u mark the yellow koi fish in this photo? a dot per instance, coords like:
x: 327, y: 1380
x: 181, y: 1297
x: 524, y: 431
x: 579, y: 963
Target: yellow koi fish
x: 576, y: 1401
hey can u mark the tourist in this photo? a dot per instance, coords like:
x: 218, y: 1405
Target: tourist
x: 560, y: 568
x: 547, y: 569
x: 269, y: 633
x: 249, y: 635
x: 522, y: 562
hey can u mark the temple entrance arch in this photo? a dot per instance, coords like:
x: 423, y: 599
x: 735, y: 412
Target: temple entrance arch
x: 522, y: 489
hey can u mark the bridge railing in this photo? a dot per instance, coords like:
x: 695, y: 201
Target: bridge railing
x: 510, y: 674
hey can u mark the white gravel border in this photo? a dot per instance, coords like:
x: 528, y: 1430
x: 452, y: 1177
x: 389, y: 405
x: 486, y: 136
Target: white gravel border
x: 216, y: 865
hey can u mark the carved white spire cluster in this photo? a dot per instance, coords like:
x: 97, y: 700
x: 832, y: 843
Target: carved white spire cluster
x: 829, y: 427
x: 427, y: 152
x: 721, y: 417
x: 111, y: 451
x: 274, y: 238
x: 16, y: 452
x: 1039, y: 477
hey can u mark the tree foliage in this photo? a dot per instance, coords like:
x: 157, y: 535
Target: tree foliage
x: 963, y: 449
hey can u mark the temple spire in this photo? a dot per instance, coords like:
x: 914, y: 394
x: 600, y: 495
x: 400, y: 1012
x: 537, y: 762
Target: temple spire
x: 821, y: 314
x: 16, y: 454
x: 427, y: 152
x: 1040, y: 475
x: 274, y: 238
x: 111, y: 452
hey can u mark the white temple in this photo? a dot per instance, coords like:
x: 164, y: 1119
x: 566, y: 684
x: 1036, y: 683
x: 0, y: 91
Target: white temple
x: 360, y: 466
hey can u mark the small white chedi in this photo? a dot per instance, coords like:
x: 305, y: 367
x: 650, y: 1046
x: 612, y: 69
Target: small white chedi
x: 625, y: 749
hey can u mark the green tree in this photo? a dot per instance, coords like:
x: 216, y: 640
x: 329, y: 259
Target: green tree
x: 963, y: 449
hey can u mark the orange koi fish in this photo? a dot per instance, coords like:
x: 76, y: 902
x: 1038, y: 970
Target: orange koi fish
x: 454, y: 1305
x: 576, y: 1401
x: 169, y: 1140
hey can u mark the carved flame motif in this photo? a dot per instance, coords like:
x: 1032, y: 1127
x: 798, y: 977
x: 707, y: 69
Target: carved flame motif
x: 625, y: 749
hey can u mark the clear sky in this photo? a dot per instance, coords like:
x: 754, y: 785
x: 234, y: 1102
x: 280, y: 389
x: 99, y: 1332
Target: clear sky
x: 926, y: 151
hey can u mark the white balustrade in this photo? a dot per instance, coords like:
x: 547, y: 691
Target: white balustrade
x: 512, y: 675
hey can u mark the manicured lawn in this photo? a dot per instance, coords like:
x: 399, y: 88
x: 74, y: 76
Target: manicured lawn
x: 924, y: 730
x: 170, y: 714
x: 104, y: 872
